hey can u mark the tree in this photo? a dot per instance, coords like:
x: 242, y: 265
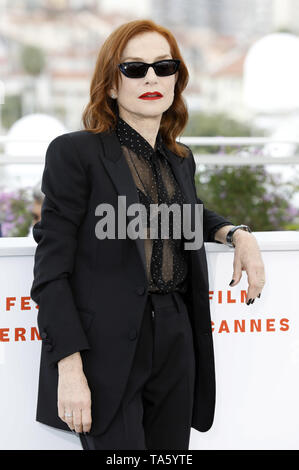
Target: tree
x: 243, y: 194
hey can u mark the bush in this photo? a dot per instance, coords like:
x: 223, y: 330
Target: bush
x: 15, y: 213
x: 249, y: 195
x: 244, y: 194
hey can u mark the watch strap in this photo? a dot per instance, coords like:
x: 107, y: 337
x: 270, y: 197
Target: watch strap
x: 229, y: 236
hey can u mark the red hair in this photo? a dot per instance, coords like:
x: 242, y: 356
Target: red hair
x: 100, y: 114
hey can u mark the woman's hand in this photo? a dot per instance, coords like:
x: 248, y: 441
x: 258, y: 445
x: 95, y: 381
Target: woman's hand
x: 74, y: 397
x: 248, y: 258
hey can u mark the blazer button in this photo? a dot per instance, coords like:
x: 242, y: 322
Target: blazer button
x: 140, y: 290
x: 44, y: 335
x: 48, y: 347
x: 133, y: 334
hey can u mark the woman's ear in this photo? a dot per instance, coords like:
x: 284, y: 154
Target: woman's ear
x: 112, y: 93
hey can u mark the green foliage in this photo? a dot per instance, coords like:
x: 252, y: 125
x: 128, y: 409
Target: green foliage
x: 216, y: 125
x: 285, y: 29
x: 249, y: 195
x: 243, y: 194
x: 11, y: 110
x: 15, y: 213
x: 33, y: 60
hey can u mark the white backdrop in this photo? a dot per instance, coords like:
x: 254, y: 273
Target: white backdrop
x: 257, y: 372
x: 256, y: 352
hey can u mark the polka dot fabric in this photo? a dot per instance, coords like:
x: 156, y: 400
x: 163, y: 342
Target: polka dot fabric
x: 166, y: 258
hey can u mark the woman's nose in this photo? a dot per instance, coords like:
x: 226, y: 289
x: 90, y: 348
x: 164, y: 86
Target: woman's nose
x: 151, y: 74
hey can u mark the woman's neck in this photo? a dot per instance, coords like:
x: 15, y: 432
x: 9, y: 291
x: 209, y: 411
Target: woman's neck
x: 148, y: 127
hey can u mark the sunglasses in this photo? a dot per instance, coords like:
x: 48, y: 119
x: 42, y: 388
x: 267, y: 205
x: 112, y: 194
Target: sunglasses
x: 162, y: 68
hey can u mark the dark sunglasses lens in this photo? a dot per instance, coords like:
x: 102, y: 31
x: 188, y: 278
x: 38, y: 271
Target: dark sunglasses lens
x: 165, y: 68
x: 139, y: 69
x: 134, y: 70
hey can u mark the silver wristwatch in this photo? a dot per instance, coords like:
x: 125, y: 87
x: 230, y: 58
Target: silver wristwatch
x: 229, y: 236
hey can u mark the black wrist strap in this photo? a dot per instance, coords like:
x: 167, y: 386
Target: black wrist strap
x: 229, y: 236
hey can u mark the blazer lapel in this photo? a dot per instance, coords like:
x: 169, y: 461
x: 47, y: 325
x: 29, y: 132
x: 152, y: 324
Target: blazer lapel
x: 120, y: 174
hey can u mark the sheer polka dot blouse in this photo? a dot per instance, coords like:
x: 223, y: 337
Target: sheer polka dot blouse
x: 166, y: 258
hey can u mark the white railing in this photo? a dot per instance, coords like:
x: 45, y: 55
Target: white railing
x: 243, y: 156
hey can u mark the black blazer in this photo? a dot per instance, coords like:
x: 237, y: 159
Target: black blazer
x: 91, y: 293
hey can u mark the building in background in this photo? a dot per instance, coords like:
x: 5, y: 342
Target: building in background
x: 241, y: 18
x: 214, y: 37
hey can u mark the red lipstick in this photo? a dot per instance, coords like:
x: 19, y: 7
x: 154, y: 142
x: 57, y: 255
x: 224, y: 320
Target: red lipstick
x: 151, y: 95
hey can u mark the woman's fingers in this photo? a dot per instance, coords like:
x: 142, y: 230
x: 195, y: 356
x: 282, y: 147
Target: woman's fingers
x: 86, y: 419
x: 77, y: 420
x: 65, y: 413
x: 61, y: 411
x: 74, y: 398
x: 68, y: 418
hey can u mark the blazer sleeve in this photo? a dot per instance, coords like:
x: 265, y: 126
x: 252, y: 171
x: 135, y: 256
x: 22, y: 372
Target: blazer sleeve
x: 211, y: 220
x: 65, y: 186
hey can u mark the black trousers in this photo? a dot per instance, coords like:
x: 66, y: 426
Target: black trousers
x: 156, y: 409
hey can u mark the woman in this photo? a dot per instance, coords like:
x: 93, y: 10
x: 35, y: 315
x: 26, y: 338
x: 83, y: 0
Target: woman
x: 127, y: 353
